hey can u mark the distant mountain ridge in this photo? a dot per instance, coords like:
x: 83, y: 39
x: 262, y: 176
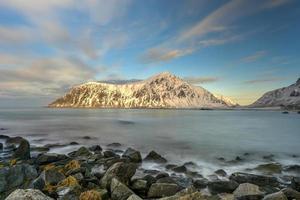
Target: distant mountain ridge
x: 164, y: 90
x: 288, y: 97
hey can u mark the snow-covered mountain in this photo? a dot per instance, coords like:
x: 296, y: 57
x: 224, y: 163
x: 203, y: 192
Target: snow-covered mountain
x: 227, y: 100
x: 284, y: 97
x: 164, y: 90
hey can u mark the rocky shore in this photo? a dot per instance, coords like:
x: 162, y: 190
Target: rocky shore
x: 95, y: 173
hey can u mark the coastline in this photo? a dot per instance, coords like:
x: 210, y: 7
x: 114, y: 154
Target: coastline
x: 93, y: 170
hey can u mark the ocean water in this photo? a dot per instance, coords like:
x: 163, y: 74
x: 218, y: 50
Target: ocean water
x: 179, y: 135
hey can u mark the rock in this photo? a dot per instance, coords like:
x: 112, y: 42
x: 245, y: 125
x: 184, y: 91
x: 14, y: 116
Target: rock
x: 86, y: 137
x: 119, y: 191
x: 275, y: 196
x: 226, y: 196
x: 150, y: 180
x: 73, y: 143
x: 95, y: 148
x: 158, y: 190
x: 166, y: 180
x: 52, y: 176
x: 254, y: 179
x: 134, y: 197
x: 269, y: 157
x: 269, y: 168
x: 79, y: 177
x: 23, y: 150
x: 170, y: 166
x: 187, y: 194
x: 14, y: 140
x: 109, y: 154
x: 47, y: 158
x: 293, y: 169
x: 133, y: 155
x: 4, y: 137
x: 98, y: 171
x: 220, y: 172
x: 222, y: 186
x: 114, y: 144
x: 140, y: 186
x: 183, y: 181
x: 38, y: 183
x: 180, y: 169
x: 155, y: 157
x: 296, y: 183
x: 28, y: 194
x: 247, y: 191
x: 161, y: 175
x: 122, y: 171
x: 82, y: 151
x: 200, y: 183
x: 190, y: 164
x: 1, y: 146
x: 68, y: 192
x: 290, y: 193
x: 90, y: 195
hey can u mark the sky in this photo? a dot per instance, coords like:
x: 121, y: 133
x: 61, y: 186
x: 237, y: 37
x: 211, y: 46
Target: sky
x: 238, y: 48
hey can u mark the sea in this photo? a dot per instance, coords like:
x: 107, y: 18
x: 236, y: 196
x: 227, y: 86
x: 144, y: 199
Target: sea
x: 212, y: 139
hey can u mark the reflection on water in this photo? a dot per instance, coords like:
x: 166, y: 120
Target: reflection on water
x: 180, y: 135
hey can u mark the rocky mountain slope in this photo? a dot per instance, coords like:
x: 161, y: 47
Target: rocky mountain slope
x: 227, y: 100
x: 161, y: 91
x: 284, y: 97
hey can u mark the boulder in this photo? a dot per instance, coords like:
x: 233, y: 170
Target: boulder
x: 269, y: 168
x: 28, y: 194
x: 290, y: 193
x: 1, y: 146
x: 161, y: 175
x: 38, y: 183
x: 95, y: 148
x: 68, y: 192
x: 187, y: 194
x: 140, y: 186
x: 166, y: 180
x: 23, y: 150
x: 155, y: 157
x: 110, y: 154
x: 180, y: 169
x: 52, y: 176
x: 82, y: 151
x: 119, y: 191
x: 134, y: 197
x: 158, y: 190
x: 122, y: 171
x: 259, y: 180
x: 133, y: 155
x: 220, y: 172
x: 222, y: 186
x: 14, y: 140
x: 248, y: 191
x: 200, y: 183
x: 296, y: 183
x: 47, y: 158
x: 275, y: 196
x: 292, y: 168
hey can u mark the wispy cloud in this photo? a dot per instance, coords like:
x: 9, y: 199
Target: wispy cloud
x: 263, y: 80
x: 254, y: 57
x: 200, y: 79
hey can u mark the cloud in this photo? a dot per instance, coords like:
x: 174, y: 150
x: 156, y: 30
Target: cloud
x: 160, y: 54
x: 200, y: 79
x: 15, y: 35
x: 254, y: 57
x: 44, y: 76
x: 263, y: 80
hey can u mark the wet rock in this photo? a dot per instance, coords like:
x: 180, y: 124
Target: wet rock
x: 296, y: 183
x: 187, y: 194
x: 158, y: 190
x: 254, y: 179
x: 52, y: 176
x: 161, y: 175
x: 140, y: 186
x: 73, y: 143
x: 290, y: 193
x: 150, y: 180
x: 155, y: 157
x: 269, y: 157
x: 86, y: 137
x: 38, y: 183
x: 14, y: 140
x: 110, y: 161
x: 222, y: 186
x: 248, y: 191
x: 151, y: 171
x: 225, y: 196
x: 1, y: 146
x: 23, y: 150
x: 170, y: 166
x: 40, y: 149
x: 180, y: 169
x: 47, y: 158
x: 110, y: 154
x: 95, y: 148
x: 275, y: 196
x: 220, y: 172
x: 119, y: 191
x: 166, y: 180
x: 98, y: 171
x: 292, y: 169
x: 183, y: 181
x: 221, y: 159
x: 269, y: 168
x: 28, y: 194
x: 68, y: 192
x: 133, y: 155
x: 79, y: 177
x: 200, y: 183
x: 190, y: 164
x: 82, y: 151
x: 4, y: 137
x: 122, y: 171
x: 114, y: 145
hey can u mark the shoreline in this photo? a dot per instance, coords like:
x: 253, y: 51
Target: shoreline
x: 103, y: 162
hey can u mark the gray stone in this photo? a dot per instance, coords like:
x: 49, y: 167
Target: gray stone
x: 155, y: 157
x: 52, y: 176
x: 254, y: 179
x: 47, y: 158
x: 134, y: 197
x: 28, y: 194
x: 82, y: 151
x: 122, y: 171
x: 200, y: 183
x: 23, y: 150
x: 222, y: 186
x: 158, y: 190
x: 296, y: 183
x: 290, y: 193
x: 133, y: 155
x: 119, y: 191
x: 275, y: 196
x: 248, y: 191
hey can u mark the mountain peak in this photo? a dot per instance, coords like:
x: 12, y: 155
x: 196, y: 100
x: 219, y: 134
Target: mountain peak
x: 298, y: 81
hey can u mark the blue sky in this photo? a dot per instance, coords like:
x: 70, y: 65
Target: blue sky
x: 238, y: 48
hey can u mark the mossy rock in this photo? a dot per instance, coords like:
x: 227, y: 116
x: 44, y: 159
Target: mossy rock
x: 90, y: 195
